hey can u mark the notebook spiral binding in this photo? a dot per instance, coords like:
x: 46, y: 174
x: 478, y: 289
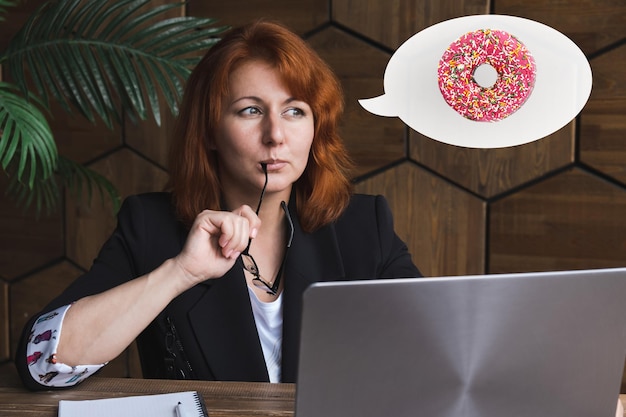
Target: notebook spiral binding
x: 200, y: 405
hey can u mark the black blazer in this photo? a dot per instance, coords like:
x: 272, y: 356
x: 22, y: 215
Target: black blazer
x: 208, y: 332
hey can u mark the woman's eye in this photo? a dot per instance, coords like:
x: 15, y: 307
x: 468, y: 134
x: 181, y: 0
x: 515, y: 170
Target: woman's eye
x: 250, y: 111
x: 294, y: 112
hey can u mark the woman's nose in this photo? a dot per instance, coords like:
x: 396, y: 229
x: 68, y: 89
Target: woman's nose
x: 274, y: 129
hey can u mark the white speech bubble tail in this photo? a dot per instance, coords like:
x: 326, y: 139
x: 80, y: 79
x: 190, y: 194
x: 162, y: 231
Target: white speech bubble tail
x: 381, y: 105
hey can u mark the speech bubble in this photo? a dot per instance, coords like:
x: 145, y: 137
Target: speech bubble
x: 563, y: 83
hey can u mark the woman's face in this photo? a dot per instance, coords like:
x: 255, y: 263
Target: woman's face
x: 261, y: 122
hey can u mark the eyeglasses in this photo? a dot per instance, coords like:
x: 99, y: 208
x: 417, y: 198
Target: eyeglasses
x: 249, y: 264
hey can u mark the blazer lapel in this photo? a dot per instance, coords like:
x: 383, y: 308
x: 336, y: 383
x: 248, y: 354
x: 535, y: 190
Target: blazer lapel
x: 313, y: 257
x: 223, y: 322
x: 224, y: 326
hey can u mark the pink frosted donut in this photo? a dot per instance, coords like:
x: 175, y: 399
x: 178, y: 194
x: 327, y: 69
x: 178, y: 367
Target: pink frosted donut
x: 511, y: 60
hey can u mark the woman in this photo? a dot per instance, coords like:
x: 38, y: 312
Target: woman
x: 209, y: 277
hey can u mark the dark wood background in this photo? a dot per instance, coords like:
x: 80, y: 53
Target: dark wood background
x: 554, y: 204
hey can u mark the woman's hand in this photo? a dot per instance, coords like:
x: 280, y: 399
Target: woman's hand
x: 215, y: 240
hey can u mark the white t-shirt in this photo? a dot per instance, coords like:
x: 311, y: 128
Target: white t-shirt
x: 269, y: 324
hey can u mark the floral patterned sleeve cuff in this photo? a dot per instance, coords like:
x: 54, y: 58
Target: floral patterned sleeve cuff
x: 41, y: 353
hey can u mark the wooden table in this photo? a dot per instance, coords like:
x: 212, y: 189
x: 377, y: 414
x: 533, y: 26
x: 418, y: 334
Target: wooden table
x: 232, y: 399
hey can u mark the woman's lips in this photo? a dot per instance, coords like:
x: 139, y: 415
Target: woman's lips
x: 274, y: 165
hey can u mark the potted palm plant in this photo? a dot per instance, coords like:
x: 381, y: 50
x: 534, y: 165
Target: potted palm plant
x: 104, y: 59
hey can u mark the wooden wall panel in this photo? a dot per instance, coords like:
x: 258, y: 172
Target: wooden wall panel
x: 5, y: 350
x: 18, y: 16
x: 83, y: 141
x: 571, y: 221
x: 373, y: 141
x: 302, y: 16
x: 27, y: 242
x: 592, y: 24
x: 603, y: 121
x: 150, y: 140
x: 460, y: 211
x: 131, y: 174
x: 391, y: 22
x: 442, y: 225
x: 489, y: 172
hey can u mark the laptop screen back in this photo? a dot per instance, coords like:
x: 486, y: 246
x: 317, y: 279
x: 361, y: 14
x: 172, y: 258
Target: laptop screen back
x: 528, y: 345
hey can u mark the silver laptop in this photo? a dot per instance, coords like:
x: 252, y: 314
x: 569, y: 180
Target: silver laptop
x: 511, y: 345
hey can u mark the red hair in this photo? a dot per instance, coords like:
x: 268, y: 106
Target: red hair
x: 323, y: 191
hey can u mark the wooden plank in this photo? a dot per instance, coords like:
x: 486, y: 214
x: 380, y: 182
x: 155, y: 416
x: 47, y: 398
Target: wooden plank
x: 442, y: 225
x: 574, y: 220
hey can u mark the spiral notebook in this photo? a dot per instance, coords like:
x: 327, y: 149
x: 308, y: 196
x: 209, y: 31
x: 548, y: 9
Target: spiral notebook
x: 179, y: 404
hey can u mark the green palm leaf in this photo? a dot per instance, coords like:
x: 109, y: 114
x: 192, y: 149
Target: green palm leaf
x: 98, y: 55
x: 77, y: 177
x: 26, y: 142
x: 46, y: 193
x: 4, y: 4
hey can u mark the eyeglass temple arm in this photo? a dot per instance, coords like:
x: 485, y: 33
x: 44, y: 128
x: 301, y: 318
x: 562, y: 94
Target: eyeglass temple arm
x: 258, y: 207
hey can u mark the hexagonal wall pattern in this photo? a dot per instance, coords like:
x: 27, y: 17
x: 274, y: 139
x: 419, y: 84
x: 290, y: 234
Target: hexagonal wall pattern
x: 372, y: 141
x: 593, y: 25
x: 81, y: 140
x: 603, y: 120
x: 442, y: 225
x: 131, y: 174
x: 573, y: 220
x: 552, y: 204
x: 391, y: 22
x: 489, y: 172
x: 301, y: 16
x: 150, y: 140
x: 27, y: 241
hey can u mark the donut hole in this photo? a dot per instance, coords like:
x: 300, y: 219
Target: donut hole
x: 485, y: 75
